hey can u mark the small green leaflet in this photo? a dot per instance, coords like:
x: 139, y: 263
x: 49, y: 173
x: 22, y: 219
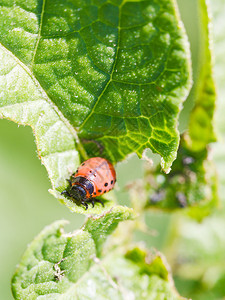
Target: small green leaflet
x: 59, y: 265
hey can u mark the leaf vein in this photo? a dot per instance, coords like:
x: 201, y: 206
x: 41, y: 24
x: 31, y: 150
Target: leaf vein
x: 39, y: 33
x: 113, y: 68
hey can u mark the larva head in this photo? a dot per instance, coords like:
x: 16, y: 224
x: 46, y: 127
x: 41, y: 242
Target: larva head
x: 78, y: 193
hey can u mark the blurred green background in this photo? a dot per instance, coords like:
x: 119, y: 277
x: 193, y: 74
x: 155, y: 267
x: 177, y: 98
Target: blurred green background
x: 195, y: 251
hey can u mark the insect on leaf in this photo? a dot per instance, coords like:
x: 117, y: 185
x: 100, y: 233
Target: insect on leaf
x: 105, y: 78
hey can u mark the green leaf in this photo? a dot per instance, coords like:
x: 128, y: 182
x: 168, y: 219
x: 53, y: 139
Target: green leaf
x: 196, y: 252
x: 201, y: 131
x: 94, y: 225
x: 105, y: 79
x: 192, y: 183
x: 149, y: 264
x: 218, y: 148
x: 25, y: 103
x: 57, y: 265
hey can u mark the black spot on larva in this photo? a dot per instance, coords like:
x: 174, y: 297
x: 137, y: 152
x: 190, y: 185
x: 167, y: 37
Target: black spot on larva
x: 94, y: 193
x: 104, y: 191
x: 106, y: 184
x: 111, y: 181
x: 83, y: 164
x: 99, y: 191
x: 90, y: 171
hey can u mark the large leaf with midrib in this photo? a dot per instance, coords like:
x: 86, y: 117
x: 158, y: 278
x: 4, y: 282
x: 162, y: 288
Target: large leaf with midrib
x: 102, y: 78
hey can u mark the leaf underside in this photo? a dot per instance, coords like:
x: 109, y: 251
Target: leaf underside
x: 104, y: 78
x: 83, y: 274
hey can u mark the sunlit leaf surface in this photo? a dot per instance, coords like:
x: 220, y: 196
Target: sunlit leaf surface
x: 102, y: 78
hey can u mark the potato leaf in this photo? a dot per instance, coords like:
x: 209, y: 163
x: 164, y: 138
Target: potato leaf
x: 104, y: 78
x: 59, y: 265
